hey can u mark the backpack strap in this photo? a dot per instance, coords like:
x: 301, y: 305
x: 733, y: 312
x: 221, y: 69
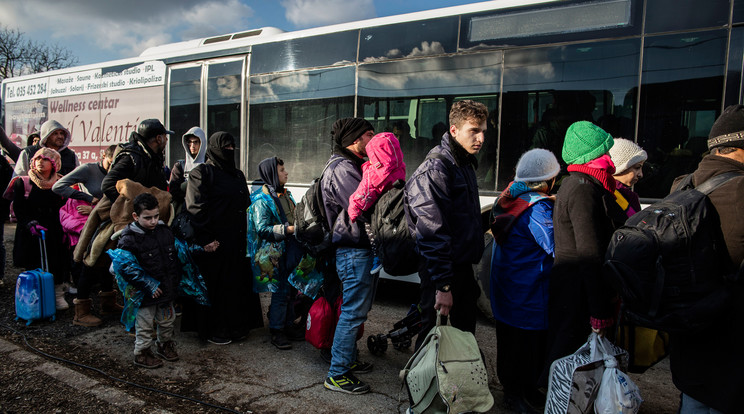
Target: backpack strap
x: 711, y: 184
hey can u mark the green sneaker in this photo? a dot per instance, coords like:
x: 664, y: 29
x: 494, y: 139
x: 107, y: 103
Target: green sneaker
x: 347, y: 383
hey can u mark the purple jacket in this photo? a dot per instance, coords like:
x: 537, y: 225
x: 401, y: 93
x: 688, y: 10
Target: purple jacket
x: 339, y: 182
x: 444, y: 213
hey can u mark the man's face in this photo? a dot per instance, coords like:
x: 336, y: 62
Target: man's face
x: 147, y: 219
x: 470, y: 135
x: 283, y: 175
x: 162, y: 141
x: 193, y: 143
x: 360, y: 144
x: 56, y: 139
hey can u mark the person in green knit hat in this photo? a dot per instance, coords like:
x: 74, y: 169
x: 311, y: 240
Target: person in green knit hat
x: 584, y: 217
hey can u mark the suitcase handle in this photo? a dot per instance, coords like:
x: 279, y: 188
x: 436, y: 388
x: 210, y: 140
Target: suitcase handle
x: 43, y: 252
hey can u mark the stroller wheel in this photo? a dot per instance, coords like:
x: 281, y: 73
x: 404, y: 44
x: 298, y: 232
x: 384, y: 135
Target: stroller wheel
x: 377, y: 344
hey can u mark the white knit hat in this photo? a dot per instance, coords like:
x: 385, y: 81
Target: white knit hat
x: 625, y: 154
x: 537, y: 165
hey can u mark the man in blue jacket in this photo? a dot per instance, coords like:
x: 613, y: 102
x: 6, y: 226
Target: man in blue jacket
x: 353, y: 251
x: 444, y: 216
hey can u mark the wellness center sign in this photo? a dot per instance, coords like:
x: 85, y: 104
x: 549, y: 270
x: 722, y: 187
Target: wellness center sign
x: 100, y: 107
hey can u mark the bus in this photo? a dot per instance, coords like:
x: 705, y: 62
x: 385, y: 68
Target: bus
x: 658, y: 72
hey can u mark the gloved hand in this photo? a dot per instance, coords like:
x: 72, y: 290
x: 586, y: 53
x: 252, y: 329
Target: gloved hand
x: 35, y: 228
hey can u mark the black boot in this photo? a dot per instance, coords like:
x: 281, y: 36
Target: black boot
x: 279, y: 340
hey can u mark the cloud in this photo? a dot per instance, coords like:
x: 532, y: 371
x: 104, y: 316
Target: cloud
x: 314, y: 13
x: 125, y: 27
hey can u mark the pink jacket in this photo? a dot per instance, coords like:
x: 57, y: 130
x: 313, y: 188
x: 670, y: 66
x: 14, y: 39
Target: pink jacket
x: 385, y: 166
x: 72, y: 221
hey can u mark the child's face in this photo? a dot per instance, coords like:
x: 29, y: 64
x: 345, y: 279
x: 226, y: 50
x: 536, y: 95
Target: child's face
x: 147, y: 219
x: 43, y: 165
x: 631, y: 175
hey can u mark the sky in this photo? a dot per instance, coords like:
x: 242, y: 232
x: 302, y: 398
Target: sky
x: 103, y: 30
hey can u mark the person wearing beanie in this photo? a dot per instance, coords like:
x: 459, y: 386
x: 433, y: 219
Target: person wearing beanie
x: 628, y: 158
x: 353, y: 251
x: 522, y: 226
x: 706, y: 366
x: 37, y: 210
x: 584, y: 217
x: 54, y: 136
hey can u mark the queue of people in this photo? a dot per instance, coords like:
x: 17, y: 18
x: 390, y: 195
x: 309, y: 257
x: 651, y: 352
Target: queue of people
x: 547, y: 293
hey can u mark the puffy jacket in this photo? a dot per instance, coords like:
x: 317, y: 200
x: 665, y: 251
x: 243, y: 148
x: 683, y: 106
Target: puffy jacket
x: 444, y: 212
x: 265, y: 225
x: 72, y: 220
x: 156, y: 253
x: 137, y: 162
x: 339, y: 182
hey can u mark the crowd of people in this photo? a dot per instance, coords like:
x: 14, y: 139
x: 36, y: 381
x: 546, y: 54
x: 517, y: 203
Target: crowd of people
x: 546, y: 289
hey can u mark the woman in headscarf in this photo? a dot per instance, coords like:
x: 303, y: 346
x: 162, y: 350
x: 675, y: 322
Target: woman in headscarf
x: 217, y: 197
x: 584, y: 217
x: 37, y: 208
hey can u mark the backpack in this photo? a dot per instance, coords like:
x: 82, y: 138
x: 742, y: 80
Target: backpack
x: 311, y: 224
x: 669, y: 261
x: 447, y: 373
x: 395, y: 244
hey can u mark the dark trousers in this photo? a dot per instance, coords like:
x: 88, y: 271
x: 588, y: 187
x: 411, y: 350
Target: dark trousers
x: 89, y: 276
x: 520, y: 358
x: 464, y: 311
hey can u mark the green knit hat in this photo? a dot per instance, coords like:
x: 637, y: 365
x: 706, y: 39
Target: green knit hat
x: 585, y: 142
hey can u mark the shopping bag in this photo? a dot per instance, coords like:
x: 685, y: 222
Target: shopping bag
x: 575, y: 379
x: 617, y: 394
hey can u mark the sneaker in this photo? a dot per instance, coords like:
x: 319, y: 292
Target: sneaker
x: 359, y: 367
x: 219, y: 341
x: 147, y: 360
x: 376, y: 265
x: 346, y: 383
x: 325, y: 355
x: 167, y: 351
x: 279, y: 340
x: 178, y: 309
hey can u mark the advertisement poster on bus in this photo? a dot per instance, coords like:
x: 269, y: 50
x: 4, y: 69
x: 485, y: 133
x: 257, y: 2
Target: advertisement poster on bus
x: 100, y: 107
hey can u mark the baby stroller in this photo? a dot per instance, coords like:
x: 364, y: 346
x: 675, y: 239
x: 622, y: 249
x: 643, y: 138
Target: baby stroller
x: 401, y: 335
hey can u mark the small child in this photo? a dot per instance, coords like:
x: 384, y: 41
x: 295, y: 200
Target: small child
x: 153, y: 244
x: 384, y: 168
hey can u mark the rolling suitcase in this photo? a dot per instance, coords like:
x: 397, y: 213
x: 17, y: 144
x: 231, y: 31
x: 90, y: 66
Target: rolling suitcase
x: 34, y: 295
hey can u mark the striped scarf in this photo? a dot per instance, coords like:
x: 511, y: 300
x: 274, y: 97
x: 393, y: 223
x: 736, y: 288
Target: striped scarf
x: 512, y: 202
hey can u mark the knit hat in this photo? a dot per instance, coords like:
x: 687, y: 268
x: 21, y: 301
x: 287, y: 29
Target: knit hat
x: 625, y: 154
x: 585, y: 142
x: 537, y: 165
x: 48, y: 154
x: 728, y: 130
x: 347, y: 130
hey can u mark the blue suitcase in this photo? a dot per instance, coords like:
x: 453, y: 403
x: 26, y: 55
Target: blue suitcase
x: 34, y: 295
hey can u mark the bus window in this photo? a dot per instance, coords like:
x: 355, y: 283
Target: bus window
x: 185, y: 98
x: 548, y: 89
x: 682, y: 81
x: 224, y: 97
x: 410, y: 39
x: 291, y: 115
x: 413, y: 97
x: 324, y: 50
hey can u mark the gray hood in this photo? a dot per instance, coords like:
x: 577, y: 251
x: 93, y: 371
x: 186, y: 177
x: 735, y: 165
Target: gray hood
x: 50, y: 126
x: 190, y: 163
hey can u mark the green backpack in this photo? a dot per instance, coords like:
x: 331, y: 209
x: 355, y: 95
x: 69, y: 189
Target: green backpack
x: 447, y: 374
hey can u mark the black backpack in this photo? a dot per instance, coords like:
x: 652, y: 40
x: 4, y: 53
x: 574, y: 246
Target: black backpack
x: 395, y: 244
x: 668, y: 261
x: 311, y: 225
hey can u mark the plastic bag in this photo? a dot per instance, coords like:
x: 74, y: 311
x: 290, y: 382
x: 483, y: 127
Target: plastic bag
x: 617, y: 394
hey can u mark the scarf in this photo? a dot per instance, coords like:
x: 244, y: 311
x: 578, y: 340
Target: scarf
x: 512, y: 202
x: 219, y: 156
x: 41, y: 182
x: 600, y: 168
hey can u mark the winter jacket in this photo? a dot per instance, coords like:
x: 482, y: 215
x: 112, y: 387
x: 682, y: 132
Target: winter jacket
x: 72, y: 220
x: 182, y: 168
x: 444, y: 212
x: 156, y: 253
x: 137, y: 162
x: 88, y: 176
x: 385, y: 167
x: 339, y: 182
x: 520, y: 269
x: 708, y: 365
x: 68, y: 156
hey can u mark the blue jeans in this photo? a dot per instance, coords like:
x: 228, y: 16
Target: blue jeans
x: 353, y: 266
x: 689, y: 405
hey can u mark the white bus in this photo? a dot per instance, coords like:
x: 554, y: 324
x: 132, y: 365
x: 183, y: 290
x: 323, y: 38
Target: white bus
x: 656, y: 71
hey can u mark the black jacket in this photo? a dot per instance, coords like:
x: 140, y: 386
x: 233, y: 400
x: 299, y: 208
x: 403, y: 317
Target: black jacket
x: 156, y: 253
x: 137, y: 162
x: 708, y: 365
